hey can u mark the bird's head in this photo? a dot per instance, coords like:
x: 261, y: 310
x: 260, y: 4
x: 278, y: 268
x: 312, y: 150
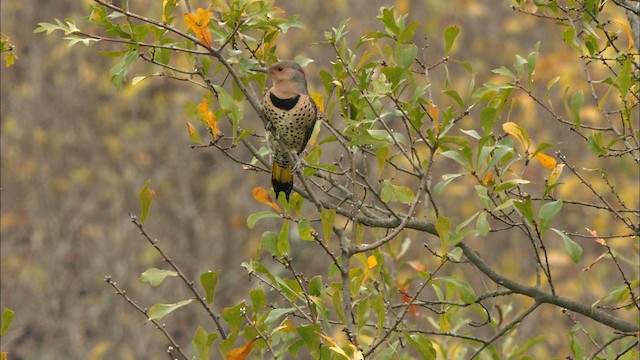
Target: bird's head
x: 286, y: 74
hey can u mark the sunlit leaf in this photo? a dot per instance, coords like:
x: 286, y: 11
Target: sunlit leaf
x: 155, y: 277
x: 450, y: 34
x: 146, y: 195
x: 209, y: 281
x: 158, y: 311
x: 7, y: 319
x: 328, y: 217
x: 517, y: 132
x: 443, y: 226
x: 391, y: 192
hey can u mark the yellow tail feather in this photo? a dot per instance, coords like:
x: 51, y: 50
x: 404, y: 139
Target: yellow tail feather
x: 281, y: 179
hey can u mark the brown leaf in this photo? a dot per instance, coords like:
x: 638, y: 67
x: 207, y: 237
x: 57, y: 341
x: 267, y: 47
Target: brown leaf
x: 241, y: 352
x: 261, y: 195
x: 595, y: 261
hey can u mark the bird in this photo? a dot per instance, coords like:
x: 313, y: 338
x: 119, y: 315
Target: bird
x: 291, y: 115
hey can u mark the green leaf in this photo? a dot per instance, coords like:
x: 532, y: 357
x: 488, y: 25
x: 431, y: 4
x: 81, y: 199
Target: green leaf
x: 203, y: 342
x: 209, y: 281
x: 158, y: 311
x: 328, y: 217
x: 391, y: 192
x: 119, y: 71
x: 446, y: 179
x: 155, y: 277
x: 145, y: 195
x: 488, y: 119
x: 577, y: 99
x: 270, y: 242
x: 526, y: 208
x: 7, y: 319
x: 310, y: 336
x: 305, y: 230
x: 569, y: 37
x: 482, y: 225
x: 454, y: 95
x: 450, y: 34
x: 315, y: 286
x: 595, y: 143
x: 423, y: 345
x: 573, y: 248
x: 405, y: 54
x: 443, y: 225
x: 462, y: 287
x: 547, y: 212
x: 283, y: 239
x: 276, y: 314
x: 258, y: 298
x: 253, y: 218
x: 624, y: 79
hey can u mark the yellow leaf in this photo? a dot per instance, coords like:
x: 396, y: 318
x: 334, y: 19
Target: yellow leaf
x: 372, y: 262
x: 3, y: 355
x: 627, y: 29
x: 319, y: 100
x: 193, y: 133
x: 519, y: 133
x: 330, y: 340
x: 546, y: 160
x: 241, y: 352
x: 261, y: 195
x: 433, y: 113
x: 555, y: 174
x: 199, y: 23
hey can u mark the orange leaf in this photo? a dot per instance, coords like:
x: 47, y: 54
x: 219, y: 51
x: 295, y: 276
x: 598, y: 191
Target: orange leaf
x: 199, y: 23
x: 208, y: 117
x: 193, y: 133
x: 261, y: 195
x: 416, y: 265
x: 595, y: 261
x: 413, y: 309
x: 487, y: 178
x: 241, y: 352
x: 599, y: 240
x: 546, y: 160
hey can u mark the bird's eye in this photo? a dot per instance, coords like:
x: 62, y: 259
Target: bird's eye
x: 279, y: 68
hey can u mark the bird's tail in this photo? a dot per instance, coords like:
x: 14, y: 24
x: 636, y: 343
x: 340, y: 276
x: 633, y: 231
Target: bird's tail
x: 281, y: 179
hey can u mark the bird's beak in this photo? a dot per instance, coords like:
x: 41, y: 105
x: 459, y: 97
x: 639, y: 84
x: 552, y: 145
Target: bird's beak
x: 261, y: 69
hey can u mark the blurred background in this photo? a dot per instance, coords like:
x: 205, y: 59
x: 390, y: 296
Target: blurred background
x: 75, y: 153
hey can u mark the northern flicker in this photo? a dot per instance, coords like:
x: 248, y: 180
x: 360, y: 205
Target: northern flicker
x: 292, y: 114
